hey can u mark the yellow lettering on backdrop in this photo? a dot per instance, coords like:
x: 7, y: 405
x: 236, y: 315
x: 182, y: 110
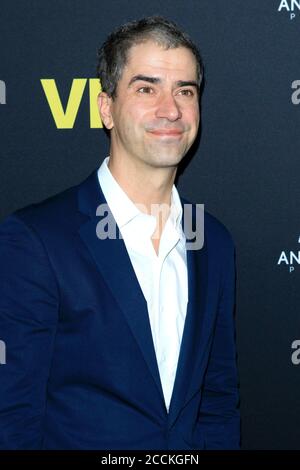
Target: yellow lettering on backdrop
x: 66, y: 119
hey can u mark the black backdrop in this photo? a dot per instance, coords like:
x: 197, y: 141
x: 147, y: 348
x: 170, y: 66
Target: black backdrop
x: 246, y: 168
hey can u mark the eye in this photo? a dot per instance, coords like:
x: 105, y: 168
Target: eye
x: 145, y: 89
x: 186, y: 92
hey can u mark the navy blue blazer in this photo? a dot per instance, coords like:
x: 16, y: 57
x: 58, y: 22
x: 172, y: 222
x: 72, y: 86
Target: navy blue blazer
x: 81, y: 370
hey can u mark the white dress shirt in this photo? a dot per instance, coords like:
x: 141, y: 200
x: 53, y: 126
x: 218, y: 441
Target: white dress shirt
x: 162, y: 277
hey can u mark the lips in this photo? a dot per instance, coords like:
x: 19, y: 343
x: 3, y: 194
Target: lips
x: 166, y: 132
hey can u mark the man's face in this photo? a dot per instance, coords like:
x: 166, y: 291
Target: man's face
x: 154, y: 118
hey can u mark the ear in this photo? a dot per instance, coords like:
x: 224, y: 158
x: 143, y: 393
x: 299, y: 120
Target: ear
x: 104, y: 106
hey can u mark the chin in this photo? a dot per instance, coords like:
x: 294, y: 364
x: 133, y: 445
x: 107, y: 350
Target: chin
x: 167, y: 162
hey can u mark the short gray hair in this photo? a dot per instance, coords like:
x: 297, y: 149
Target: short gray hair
x: 113, y: 55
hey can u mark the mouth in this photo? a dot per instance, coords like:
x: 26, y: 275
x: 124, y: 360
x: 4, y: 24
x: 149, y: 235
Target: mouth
x: 166, y: 132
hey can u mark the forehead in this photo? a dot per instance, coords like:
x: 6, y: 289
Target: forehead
x: 153, y: 58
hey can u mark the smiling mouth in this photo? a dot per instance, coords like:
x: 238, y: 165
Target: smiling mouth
x: 167, y: 132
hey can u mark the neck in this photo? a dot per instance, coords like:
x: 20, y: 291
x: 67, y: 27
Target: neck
x: 143, y: 184
x: 148, y: 187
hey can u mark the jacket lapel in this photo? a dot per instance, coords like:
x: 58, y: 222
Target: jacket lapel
x: 113, y: 262
x: 193, y: 344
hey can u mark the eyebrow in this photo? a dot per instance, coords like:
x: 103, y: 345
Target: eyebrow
x: 182, y: 83
x: 145, y: 78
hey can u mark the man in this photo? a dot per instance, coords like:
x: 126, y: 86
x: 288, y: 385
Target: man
x: 127, y: 341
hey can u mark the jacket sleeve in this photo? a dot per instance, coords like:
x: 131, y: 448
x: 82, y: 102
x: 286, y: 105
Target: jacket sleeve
x: 219, y: 418
x: 28, y: 318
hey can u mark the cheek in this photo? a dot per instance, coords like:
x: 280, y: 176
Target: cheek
x: 193, y: 117
x: 129, y: 127
x: 136, y: 122
x: 123, y: 119
x: 138, y: 113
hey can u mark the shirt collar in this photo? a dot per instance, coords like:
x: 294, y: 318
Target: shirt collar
x: 122, y: 207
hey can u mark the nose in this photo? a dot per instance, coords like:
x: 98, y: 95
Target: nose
x: 168, y: 108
